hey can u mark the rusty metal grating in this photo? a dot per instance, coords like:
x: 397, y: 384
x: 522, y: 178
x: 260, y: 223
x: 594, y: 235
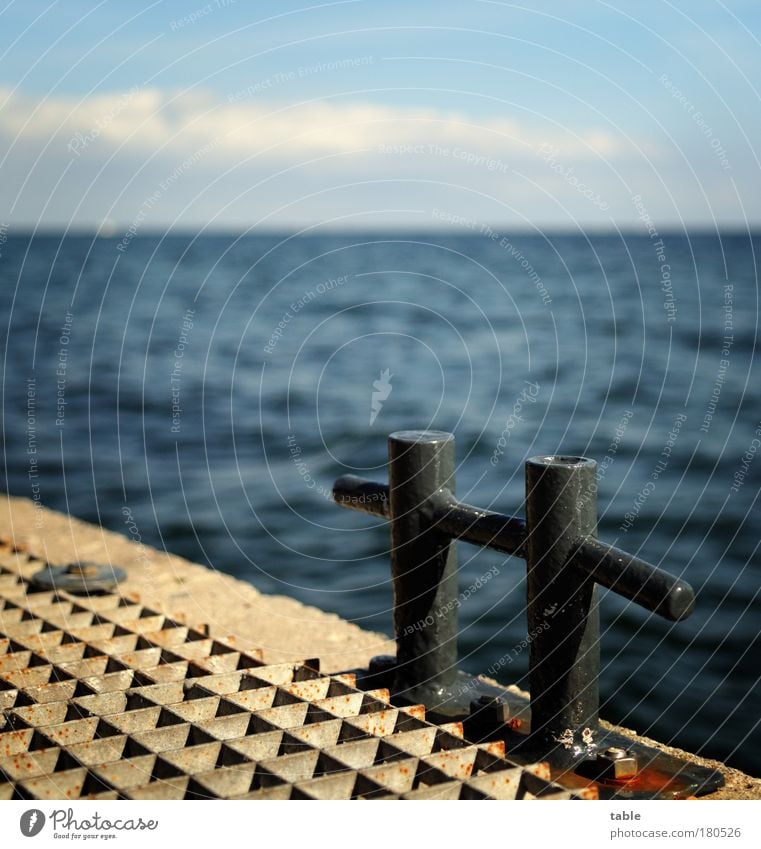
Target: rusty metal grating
x: 104, y: 698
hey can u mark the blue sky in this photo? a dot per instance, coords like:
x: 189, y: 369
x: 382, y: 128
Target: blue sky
x: 363, y: 114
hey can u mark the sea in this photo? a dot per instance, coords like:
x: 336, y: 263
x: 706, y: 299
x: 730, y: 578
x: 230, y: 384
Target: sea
x: 201, y: 392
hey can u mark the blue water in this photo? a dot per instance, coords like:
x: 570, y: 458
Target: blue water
x: 601, y: 346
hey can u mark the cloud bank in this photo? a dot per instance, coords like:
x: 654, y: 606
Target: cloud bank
x: 236, y: 161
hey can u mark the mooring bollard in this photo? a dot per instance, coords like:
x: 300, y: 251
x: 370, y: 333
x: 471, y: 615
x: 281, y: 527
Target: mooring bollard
x: 423, y: 565
x: 565, y: 562
x: 425, y: 519
x: 563, y: 621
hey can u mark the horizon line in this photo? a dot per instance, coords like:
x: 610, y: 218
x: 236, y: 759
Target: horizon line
x: 316, y: 230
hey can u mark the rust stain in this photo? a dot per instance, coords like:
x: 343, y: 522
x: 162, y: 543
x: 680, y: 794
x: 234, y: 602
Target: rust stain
x: 649, y: 780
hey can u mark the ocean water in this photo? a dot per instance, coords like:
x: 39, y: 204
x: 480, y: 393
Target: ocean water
x: 204, y: 392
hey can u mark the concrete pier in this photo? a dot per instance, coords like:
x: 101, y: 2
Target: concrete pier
x: 283, y: 629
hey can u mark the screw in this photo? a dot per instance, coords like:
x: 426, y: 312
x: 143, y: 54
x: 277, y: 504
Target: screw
x: 615, y: 753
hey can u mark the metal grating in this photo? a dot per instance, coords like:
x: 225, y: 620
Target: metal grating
x: 104, y: 698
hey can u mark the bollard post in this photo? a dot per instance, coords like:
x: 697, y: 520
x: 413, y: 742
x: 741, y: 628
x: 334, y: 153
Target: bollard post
x: 423, y: 566
x: 563, y: 620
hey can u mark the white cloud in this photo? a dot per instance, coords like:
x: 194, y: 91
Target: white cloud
x: 148, y: 134
x: 144, y: 120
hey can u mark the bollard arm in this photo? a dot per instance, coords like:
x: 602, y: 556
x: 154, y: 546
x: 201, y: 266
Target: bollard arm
x: 356, y: 493
x: 635, y: 579
x: 452, y: 517
x: 629, y: 576
x: 479, y: 527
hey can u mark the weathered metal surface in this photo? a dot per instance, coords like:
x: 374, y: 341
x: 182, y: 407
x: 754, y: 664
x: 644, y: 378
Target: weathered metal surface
x: 105, y: 698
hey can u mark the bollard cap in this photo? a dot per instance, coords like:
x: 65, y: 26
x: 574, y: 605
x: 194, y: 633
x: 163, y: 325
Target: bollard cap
x: 561, y: 461
x: 427, y: 437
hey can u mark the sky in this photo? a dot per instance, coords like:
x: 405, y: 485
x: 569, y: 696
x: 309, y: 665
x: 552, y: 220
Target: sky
x: 233, y: 115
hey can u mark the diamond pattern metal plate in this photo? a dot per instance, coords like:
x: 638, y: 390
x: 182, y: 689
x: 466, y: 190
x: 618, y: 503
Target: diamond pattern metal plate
x: 104, y: 698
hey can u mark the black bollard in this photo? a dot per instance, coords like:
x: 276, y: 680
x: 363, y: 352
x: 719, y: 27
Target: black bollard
x: 423, y: 566
x: 563, y: 621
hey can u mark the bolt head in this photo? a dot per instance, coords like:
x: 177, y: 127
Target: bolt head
x: 381, y: 663
x: 617, y: 763
x: 491, y: 709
